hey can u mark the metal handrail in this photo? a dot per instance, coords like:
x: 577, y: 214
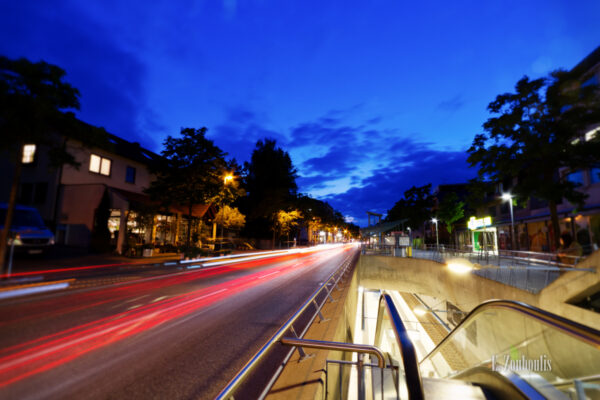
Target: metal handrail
x: 240, y: 377
x: 338, y: 346
x: 407, y: 349
x: 567, y: 326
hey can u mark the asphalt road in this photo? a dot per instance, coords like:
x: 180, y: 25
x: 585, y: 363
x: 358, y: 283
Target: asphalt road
x: 177, y: 336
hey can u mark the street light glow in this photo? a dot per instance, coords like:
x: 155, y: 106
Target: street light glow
x: 434, y: 220
x: 506, y: 196
x: 228, y: 178
x: 459, y: 266
x: 420, y: 311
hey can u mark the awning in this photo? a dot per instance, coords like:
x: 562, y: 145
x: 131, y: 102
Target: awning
x: 125, y: 199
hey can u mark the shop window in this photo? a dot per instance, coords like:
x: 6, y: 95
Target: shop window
x: 130, y: 175
x: 100, y: 165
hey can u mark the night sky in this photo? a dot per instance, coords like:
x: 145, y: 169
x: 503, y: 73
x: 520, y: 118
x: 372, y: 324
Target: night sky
x: 369, y: 97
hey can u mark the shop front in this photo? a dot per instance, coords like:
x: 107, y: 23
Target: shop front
x: 483, y: 235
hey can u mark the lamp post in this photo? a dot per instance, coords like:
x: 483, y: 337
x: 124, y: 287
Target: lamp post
x: 437, y: 239
x: 508, y: 197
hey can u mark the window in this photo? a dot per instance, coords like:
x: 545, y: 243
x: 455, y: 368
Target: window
x: 100, y: 165
x: 576, y: 177
x: 595, y: 175
x: 28, y: 154
x: 130, y: 175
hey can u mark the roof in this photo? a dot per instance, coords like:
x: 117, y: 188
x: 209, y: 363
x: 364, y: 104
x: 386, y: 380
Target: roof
x: 198, y: 210
x: 100, y: 138
x: 382, y: 227
x: 587, y: 63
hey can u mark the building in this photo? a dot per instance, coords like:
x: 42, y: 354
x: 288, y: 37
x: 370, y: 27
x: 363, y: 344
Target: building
x: 106, y: 190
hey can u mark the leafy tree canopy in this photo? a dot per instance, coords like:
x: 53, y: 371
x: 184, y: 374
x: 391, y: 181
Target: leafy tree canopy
x: 535, y: 136
x: 230, y: 217
x: 451, y: 210
x: 415, y: 206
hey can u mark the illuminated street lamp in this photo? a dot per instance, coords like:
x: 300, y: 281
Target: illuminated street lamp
x: 437, y: 239
x: 228, y: 179
x: 508, y: 197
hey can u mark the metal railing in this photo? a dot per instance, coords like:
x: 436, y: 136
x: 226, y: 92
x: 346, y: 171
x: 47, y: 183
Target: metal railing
x: 534, y: 333
x: 526, y: 270
x: 408, y: 354
x: 327, y: 287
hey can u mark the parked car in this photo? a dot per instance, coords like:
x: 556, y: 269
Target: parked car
x: 28, y: 233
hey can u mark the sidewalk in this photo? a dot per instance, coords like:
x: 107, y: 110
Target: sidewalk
x: 70, y: 258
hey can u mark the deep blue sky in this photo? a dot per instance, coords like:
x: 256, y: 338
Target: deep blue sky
x: 369, y: 97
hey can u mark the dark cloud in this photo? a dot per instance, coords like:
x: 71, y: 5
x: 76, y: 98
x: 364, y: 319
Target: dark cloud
x: 109, y: 77
x: 387, y: 185
x: 452, y: 105
x: 240, y: 131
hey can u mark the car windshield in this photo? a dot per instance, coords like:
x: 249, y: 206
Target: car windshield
x: 23, y: 218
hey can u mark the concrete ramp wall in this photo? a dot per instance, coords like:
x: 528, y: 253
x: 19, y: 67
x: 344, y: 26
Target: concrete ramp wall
x: 431, y: 278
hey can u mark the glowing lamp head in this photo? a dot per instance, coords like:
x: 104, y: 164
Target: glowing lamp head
x: 506, y: 196
x: 434, y: 220
x: 228, y: 179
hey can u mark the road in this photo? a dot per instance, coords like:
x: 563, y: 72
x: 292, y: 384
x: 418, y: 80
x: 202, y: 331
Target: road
x: 180, y: 335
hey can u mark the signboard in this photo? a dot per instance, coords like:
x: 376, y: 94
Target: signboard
x: 403, y: 241
x: 476, y: 223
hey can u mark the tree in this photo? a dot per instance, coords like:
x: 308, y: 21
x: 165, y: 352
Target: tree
x: 415, y: 206
x: 285, y: 221
x: 536, y: 136
x: 34, y: 108
x: 270, y: 183
x: 451, y: 210
x: 230, y: 218
x: 192, y: 172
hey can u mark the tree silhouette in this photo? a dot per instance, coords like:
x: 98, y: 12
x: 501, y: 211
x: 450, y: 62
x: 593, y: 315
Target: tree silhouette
x: 535, y: 137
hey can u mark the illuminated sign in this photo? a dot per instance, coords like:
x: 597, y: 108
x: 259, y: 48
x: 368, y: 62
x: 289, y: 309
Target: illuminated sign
x: 479, y: 222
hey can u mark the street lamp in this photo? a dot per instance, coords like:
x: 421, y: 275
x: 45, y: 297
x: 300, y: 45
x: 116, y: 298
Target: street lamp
x: 508, y: 197
x: 228, y: 179
x: 437, y: 239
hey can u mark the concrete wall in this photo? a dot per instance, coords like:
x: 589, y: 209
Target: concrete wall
x: 467, y: 291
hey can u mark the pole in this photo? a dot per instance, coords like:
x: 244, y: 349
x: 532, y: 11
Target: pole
x: 512, y: 226
x: 437, y: 239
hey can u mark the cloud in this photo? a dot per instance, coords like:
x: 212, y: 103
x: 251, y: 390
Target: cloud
x: 451, y: 105
x: 110, y: 78
x: 240, y: 131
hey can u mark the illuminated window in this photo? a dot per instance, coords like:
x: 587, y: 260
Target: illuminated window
x: 28, y: 153
x: 100, y: 165
x: 592, y: 134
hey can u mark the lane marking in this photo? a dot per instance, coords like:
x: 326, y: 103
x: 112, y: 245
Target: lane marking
x: 272, y: 273
x: 36, y: 288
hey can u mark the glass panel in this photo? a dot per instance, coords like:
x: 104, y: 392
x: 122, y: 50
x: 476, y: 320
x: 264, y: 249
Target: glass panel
x: 576, y: 177
x: 95, y: 163
x: 595, y: 175
x: 105, y: 167
x: 509, y: 341
x: 130, y: 175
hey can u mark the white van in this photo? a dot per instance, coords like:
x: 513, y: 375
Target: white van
x: 28, y: 232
